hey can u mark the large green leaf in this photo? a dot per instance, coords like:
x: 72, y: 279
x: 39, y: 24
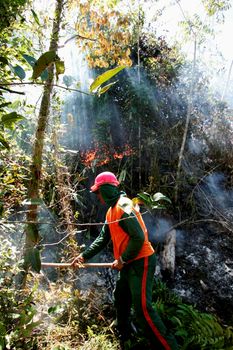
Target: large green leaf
x: 31, y: 60
x: 32, y: 258
x: 145, y: 197
x: 159, y: 196
x: 105, y: 77
x: 43, y: 62
x: 9, y: 119
x: 19, y: 71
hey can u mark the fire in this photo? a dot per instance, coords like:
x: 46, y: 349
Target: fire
x: 103, y: 155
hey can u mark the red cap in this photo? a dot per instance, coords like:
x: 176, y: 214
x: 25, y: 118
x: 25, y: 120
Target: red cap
x: 104, y: 178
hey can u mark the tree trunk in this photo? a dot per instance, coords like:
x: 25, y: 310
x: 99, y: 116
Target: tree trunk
x: 32, y: 231
x: 169, y: 254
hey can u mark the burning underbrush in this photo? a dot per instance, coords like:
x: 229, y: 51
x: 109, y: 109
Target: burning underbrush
x: 101, y: 155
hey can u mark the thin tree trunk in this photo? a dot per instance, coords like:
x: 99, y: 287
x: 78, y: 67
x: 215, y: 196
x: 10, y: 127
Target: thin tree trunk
x: 32, y: 232
x: 139, y: 120
x: 189, y: 112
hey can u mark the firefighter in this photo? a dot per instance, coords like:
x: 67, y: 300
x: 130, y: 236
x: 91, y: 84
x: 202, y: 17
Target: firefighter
x: 134, y: 259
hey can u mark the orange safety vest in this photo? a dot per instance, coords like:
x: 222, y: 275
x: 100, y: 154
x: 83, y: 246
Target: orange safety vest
x: 120, y: 238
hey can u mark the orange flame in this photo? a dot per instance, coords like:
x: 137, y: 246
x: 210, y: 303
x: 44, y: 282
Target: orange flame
x: 101, y: 156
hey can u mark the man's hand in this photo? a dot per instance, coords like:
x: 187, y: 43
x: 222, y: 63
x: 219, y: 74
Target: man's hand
x: 79, y: 260
x: 117, y: 264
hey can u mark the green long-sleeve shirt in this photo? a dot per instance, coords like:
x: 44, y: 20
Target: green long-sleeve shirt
x: 131, y: 227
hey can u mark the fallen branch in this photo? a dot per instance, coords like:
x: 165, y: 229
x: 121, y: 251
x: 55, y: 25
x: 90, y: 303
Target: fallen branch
x: 76, y: 266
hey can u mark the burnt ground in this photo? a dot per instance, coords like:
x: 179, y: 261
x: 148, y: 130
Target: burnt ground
x: 204, y: 271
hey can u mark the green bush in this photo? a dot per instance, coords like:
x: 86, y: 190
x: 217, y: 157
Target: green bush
x: 17, y: 310
x: 193, y: 329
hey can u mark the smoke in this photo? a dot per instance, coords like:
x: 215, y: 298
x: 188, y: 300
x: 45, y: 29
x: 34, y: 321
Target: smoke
x: 157, y: 228
x: 216, y: 191
x: 215, y: 200
x: 77, y: 105
x: 196, y: 146
x: 87, y: 119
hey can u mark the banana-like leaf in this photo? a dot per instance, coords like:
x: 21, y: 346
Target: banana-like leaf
x: 43, y: 62
x: 105, y: 77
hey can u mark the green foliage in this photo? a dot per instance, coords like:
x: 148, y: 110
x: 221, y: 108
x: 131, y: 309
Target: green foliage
x: 151, y: 201
x: 84, y: 310
x: 17, y: 310
x: 201, y: 330
x: 8, y: 120
x: 193, y: 329
x: 9, y: 9
x: 214, y: 7
x: 18, y: 71
x: 14, y: 171
x: 32, y: 61
x: 43, y: 62
x: 15, y: 41
x: 98, y: 340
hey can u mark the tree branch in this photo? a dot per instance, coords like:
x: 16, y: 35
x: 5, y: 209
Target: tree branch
x: 11, y: 91
x: 2, y: 86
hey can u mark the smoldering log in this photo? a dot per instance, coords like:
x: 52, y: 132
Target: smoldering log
x: 168, y: 254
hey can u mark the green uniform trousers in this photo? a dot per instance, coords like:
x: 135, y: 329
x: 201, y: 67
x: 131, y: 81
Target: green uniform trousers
x: 134, y: 288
